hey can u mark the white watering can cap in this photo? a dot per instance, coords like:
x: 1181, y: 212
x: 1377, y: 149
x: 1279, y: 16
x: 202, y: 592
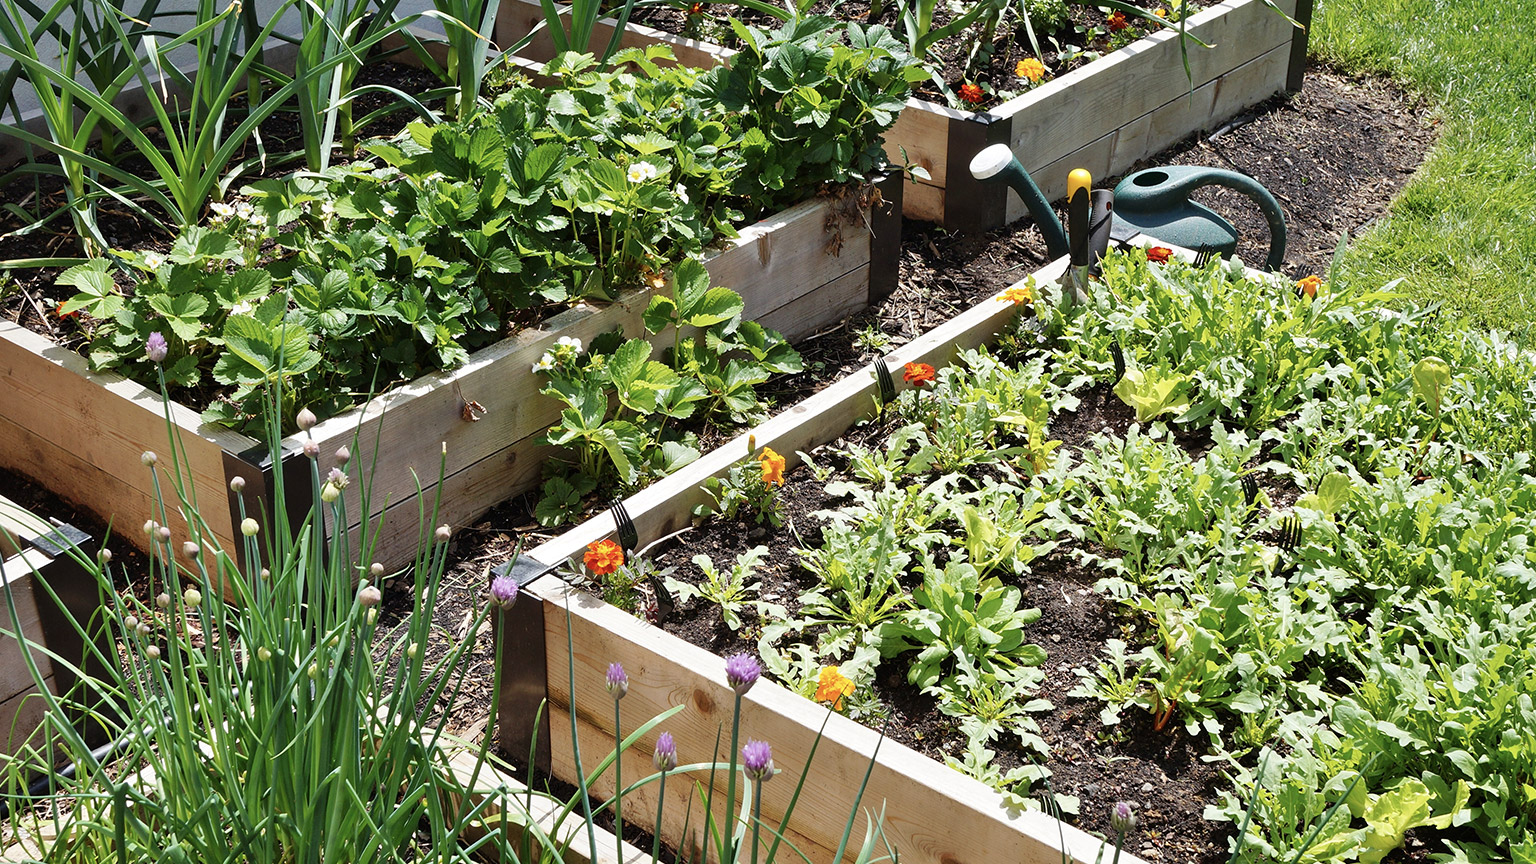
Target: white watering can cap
x: 989, y: 162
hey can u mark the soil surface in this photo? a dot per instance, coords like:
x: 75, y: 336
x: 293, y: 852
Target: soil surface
x: 1334, y: 155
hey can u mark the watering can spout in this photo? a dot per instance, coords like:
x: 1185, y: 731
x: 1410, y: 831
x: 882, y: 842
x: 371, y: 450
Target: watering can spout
x: 997, y: 161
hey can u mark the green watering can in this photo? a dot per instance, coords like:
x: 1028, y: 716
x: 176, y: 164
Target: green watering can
x: 1154, y: 201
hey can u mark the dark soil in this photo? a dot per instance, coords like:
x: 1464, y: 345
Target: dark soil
x: 1334, y: 155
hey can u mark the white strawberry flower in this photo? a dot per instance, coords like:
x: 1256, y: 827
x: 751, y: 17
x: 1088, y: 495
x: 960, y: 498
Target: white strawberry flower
x: 640, y: 172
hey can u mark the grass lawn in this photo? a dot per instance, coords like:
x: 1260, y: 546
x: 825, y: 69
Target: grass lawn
x: 1464, y: 229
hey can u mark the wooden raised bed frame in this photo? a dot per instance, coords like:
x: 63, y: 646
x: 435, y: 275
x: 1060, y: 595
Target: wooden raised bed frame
x: 1104, y: 116
x: 935, y: 815
x: 31, y: 554
x: 80, y: 434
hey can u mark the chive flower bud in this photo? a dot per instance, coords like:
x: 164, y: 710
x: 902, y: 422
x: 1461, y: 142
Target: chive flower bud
x: 369, y: 596
x: 237, y: 484
x: 741, y: 672
x: 757, y: 759
x: 249, y: 527
x: 329, y: 493
x: 311, y: 449
x: 155, y: 347
x: 131, y: 622
x: 150, y: 525
x: 192, y: 597
x: 263, y: 653
x: 148, y: 458
x: 163, y: 600
x: 1122, y: 819
x: 376, y: 570
x: 152, y: 652
x: 306, y: 420
x: 666, y: 752
x: 142, y: 629
x: 104, y: 556
x: 163, y: 533
x: 190, y: 549
x: 343, y: 455
x: 618, y: 681
x: 442, y: 534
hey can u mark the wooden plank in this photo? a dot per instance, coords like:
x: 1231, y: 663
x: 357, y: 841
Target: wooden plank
x: 922, y: 202
x: 934, y: 815
x: 54, y: 404
x: 922, y: 129
x: 832, y: 305
x: 517, y: 18
x: 1117, y: 151
x: 21, y: 714
x: 19, y: 572
x: 543, y: 812
x: 1058, y: 117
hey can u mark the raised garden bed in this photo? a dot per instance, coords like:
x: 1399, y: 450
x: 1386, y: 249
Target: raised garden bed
x: 1103, y: 117
x: 81, y: 433
x: 933, y: 813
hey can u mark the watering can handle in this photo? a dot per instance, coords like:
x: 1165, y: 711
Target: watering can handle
x: 1260, y: 196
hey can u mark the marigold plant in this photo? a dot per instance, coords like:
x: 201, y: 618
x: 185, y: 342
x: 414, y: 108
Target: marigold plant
x: 1309, y: 285
x: 832, y: 686
x: 603, y: 557
x: 1160, y: 254
x: 1031, y: 69
x: 919, y: 375
x: 972, y: 93
x: 773, y: 467
x: 1018, y: 294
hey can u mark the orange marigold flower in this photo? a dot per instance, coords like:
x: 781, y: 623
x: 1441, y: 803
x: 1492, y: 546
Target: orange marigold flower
x: 1161, y: 13
x: 59, y: 312
x: 972, y: 93
x: 773, y: 467
x: 1030, y: 68
x: 1160, y: 254
x: 1018, y: 294
x: 1117, y: 22
x: 832, y: 686
x: 696, y: 9
x: 919, y: 374
x: 603, y: 557
x: 1309, y: 285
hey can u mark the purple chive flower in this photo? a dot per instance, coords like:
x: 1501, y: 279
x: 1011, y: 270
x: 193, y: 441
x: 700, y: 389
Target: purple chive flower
x: 666, y: 752
x: 503, y: 590
x: 1122, y: 819
x: 156, y: 348
x: 757, y: 759
x: 741, y: 672
x: 618, y: 682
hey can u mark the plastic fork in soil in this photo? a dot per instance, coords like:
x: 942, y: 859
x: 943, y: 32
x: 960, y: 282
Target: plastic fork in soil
x: 629, y: 538
x: 1290, y: 533
x: 883, y: 377
x: 1250, y: 489
x: 1204, y: 256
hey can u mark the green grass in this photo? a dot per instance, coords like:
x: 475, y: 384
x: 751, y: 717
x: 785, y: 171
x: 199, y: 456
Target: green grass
x: 1464, y: 229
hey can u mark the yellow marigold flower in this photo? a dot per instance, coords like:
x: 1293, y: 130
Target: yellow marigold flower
x: 1018, y: 294
x: 1309, y: 285
x: 1030, y: 68
x: 773, y: 467
x: 832, y: 686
